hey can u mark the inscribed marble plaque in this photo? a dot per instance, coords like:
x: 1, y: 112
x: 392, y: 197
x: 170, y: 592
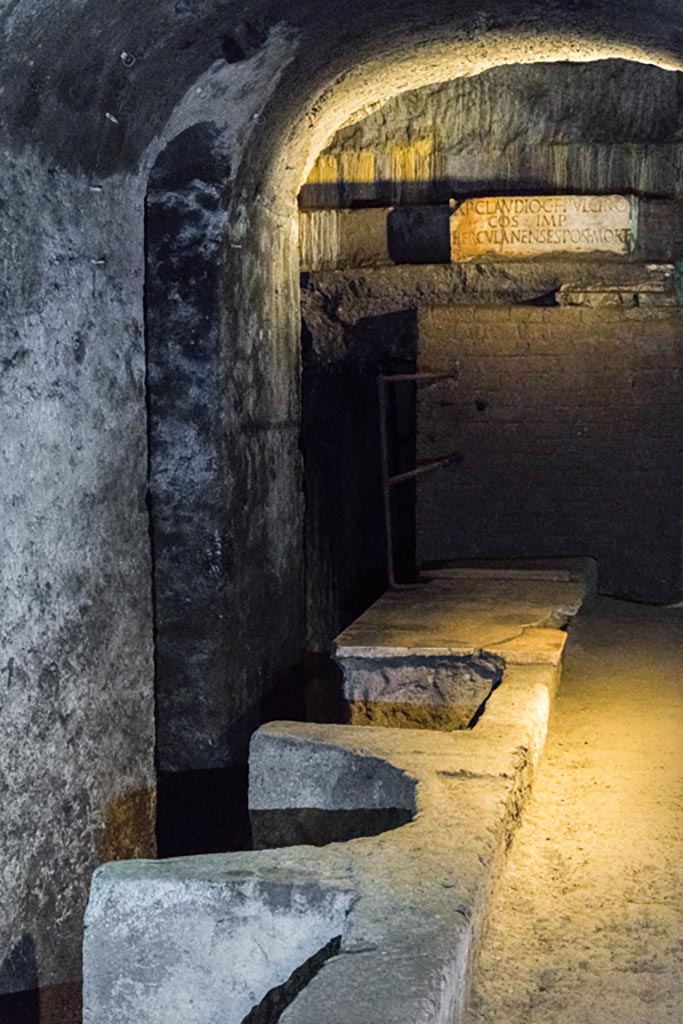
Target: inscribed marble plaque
x: 541, y: 225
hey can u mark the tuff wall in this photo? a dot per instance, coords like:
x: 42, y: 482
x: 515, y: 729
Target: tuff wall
x: 552, y: 127
x: 91, y: 94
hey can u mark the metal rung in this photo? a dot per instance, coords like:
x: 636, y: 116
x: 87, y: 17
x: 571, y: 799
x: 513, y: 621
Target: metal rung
x: 425, y: 467
x: 416, y: 378
x: 389, y: 481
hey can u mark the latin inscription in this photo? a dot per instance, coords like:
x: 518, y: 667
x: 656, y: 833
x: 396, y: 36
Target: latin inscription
x: 537, y: 225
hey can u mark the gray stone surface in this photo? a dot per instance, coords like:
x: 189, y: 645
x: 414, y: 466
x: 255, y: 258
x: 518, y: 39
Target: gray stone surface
x: 333, y: 303
x: 447, y: 614
x: 463, y: 137
x: 77, y: 782
x: 197, y: 942
x: 419, y: 988
x: 313, y: 769
x: 344, y: 238
x: 435, y: 692
x: 325, y: 791
x: 591, y: 227
x: 77, y: 772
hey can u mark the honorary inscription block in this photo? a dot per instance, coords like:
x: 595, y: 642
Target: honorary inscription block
x: 540, y: 225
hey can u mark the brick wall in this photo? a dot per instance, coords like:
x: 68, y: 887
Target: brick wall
x: 570, y: 423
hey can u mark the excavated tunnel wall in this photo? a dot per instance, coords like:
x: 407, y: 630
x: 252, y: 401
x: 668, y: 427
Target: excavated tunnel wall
x: 91, y: 95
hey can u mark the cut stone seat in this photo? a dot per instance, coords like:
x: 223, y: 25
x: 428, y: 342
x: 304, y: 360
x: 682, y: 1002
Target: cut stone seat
x: 377, y: 930
x: 429, y: 656
x: 202, y: 939
x: 311, y: 787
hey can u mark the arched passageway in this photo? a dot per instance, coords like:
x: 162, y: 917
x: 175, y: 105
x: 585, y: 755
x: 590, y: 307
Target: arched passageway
x: 257, y: 407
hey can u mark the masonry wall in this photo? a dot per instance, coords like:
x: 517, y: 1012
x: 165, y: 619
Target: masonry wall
x: 570, y: 426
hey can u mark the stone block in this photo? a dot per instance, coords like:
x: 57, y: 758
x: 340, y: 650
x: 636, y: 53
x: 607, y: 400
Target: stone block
x: 419, y: 691
x: 429, y: 657
x: 335, y: 239
x: 305, y: 788
x: 660, y: 230
x: 627, y: 296
x: 192, y: 940
x: 523, y: 226
x: 371, y: 932
x: 420, y: 234
x: 416, y: 988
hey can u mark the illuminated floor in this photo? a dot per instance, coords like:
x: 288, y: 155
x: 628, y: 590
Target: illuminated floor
x: 587, y: 923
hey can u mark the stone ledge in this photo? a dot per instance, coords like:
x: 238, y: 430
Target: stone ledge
x: 430, y: 656
x: 410, y: 901
x: 627, y: 229
x: 377, y: 929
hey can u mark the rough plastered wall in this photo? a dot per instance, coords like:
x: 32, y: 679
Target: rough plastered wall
x: 557, y: 127
x: 570, y: 425
x: 90, y: 94
x: 77, y: 761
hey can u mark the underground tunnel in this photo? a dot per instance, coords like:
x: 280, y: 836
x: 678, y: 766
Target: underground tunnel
x: 236, y: 236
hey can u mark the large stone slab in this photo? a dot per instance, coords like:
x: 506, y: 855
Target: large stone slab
x: 522, y: 226
x: 305, y: 787
x: 218, y: 942
x: 430, y: 656
x: 425, y: 691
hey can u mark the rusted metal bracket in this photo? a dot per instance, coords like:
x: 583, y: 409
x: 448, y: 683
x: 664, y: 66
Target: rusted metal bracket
x: 389, y: 480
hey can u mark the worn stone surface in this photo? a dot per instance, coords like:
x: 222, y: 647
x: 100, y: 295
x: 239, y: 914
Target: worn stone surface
x: 77, y: 778
x: 407, y: 905
x: 314, y: 769
x: 343, y: 238
x: 457, y: 616
x: 532, y: 647
x: 401, y: 911
x: 77, y: 771
x: 327, y: 792
x: 523, y: 226
x: 430, y: 656
x: 520, y: 227
x: 338, y: 239
x: 570, y: 425
x: 429, y: 692
x: 216, y: 941
x: 335, y: 305
x: 628, y: 296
